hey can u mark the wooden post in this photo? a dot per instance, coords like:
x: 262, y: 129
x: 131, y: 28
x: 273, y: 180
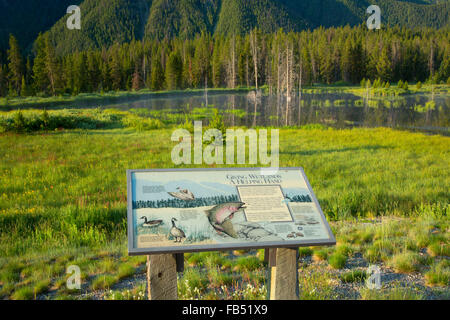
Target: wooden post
x: 162, y: 277
x: 270, y: 256
x: 284, y: 276
x: 179, y: 259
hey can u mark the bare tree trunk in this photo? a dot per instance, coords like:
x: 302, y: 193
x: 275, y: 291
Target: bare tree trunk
x: 256, y: 108
x: 278, y: 71
x: 287, y: 84
x: 300, y: 76
x: 233, y: 63
x: 254, y: 46
x: 233, y: 105
x: 431, y: 61
x: 246, y: 72
x: 289, y: 78
x: 206, y: 90
x: 313, y: 66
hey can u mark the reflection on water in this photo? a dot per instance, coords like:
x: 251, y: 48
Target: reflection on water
x: 332, y: 109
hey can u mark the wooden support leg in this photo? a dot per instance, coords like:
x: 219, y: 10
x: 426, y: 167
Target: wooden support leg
x: 271, y: 255
x: 179, y: 258
x: 284, y: 276
x: 162, y: 277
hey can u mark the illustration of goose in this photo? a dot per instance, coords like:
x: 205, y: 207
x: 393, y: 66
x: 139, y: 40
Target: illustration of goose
x: 220, y: 217
x: 151, y: 223
x: 183, y: 194
x: 176, y: 232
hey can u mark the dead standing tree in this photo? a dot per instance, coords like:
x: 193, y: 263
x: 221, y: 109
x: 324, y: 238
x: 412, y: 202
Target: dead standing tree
x: 254, y: 48
x: 300, y: 83
x: 231, y: 65
x: 289, y: 76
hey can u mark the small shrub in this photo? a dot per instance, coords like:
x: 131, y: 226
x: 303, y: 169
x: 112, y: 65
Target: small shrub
x: 419, y: 85
x: 107, y: 265
x: 344, y: 249
x: 248, y: 263
x: 125, y: 271
x: 24, y: 293
x: 438, y: 249
x: 19, y: 122
x: 103, y: 282
x: 6, y: 290
x: 438, y: 275
x: 218, y: 278
x: 405, y: 262
x: 390, y: 294
x: 41, y: 286
x: 363, y: 83
x: 354, y: 276
x: 437, y: 278
x: 305, y: 252
x: 11, y: 273
x: 320, y: 255
x: 337, y: 260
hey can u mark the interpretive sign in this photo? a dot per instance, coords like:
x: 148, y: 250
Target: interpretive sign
x: 188, y: 210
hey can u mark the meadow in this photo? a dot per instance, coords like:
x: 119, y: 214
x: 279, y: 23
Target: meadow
x: 63, y: 202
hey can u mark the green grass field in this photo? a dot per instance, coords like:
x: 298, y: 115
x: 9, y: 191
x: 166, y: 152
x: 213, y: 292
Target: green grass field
x: 63, y: 202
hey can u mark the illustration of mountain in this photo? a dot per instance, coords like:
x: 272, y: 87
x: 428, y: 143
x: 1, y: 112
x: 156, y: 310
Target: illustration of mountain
x: 105, y: 22
x: 297, y: 194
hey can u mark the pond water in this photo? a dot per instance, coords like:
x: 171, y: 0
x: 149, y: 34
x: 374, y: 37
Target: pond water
x: 331, y: 109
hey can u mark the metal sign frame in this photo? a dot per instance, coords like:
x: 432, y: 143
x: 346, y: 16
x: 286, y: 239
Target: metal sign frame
x: 228, y: 246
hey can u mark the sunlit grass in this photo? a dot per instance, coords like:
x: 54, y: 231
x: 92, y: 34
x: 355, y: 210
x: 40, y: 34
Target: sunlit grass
x: 63, y: 202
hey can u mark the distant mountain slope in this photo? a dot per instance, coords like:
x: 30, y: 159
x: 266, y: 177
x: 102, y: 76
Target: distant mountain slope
x: 26, y: 18
x: 186, y: 18
x: 328, y: 13
x: 103, y: 23
x: 107, y: 21
x: 240, y: 16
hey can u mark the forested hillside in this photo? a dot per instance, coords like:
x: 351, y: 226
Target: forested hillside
x: 169, y: 19
x: 281, y: 61
x: 107, y: 21
x: 104, y: 22
x: 26, y: 18
x: 240, y: 16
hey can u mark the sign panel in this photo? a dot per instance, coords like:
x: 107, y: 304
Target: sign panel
x: 188, y: 210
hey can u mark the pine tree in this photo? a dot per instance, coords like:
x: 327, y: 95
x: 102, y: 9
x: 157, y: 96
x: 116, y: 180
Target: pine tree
x: 15, y: 65
x: 80, y: 73
x: 406, y: 86
x: 202, y: 58
x: 217, y: 64
x: 174, y: 71
x: 51, y: 65
x: 93, y: 71
x: 24, y: 88
x: 157, y: 76
x: 116, y: 69
x: 3, y: 81
x: 419, y: 85
x: 137, y: 80
x: 40, y: 75
x: 384, y: 68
